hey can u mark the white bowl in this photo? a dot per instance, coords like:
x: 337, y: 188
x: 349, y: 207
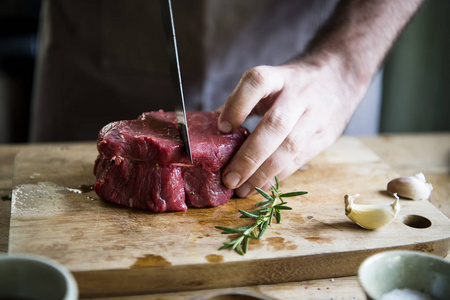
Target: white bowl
x: 31, y: 277
x: 403, y: 273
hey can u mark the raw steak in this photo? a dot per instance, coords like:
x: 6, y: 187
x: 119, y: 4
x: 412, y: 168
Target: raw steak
x: 142, y: 163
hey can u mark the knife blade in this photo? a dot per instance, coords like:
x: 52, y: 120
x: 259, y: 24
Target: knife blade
x: 175, y: 73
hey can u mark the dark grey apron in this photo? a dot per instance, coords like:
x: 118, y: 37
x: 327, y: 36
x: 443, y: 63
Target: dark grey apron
x: 101, y: 60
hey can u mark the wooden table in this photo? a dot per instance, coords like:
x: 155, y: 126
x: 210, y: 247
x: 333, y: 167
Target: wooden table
x: 406, y: 154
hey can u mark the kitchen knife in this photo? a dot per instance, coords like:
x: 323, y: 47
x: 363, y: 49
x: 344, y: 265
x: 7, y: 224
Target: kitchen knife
x: 175, y: 73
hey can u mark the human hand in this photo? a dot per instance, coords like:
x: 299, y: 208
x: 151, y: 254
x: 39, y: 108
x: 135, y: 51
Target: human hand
x: 305, y: 107
x: 307, y: 104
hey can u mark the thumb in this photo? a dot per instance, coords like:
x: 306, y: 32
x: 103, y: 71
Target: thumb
x: 255, y: 84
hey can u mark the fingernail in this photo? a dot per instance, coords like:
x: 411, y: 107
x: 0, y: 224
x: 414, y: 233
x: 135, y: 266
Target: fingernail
x: 232, y: 179
x: 244, y: 190
x: 225, y: 127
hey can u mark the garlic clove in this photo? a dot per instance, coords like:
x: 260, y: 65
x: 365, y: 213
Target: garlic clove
x: 411, y: 187
x: 371, y: 216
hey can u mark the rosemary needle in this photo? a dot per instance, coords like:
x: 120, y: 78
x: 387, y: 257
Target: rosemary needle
x: 268, y: 208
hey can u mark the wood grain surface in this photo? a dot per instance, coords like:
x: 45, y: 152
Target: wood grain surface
x: 113, y: 250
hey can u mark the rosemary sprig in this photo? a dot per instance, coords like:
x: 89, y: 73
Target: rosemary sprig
x: 263, y: 216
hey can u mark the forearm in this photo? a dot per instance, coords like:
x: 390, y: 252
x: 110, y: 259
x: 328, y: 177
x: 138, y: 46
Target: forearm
x: 358, y: 37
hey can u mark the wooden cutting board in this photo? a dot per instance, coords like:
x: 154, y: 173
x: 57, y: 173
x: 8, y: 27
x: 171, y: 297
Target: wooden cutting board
x: 113, y: 250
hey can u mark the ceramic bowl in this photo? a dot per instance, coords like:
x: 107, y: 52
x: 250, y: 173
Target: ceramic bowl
x: 31, y: 277
x: 403, y: 274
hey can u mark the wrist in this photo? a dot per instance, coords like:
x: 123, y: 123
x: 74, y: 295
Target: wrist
x: 339, y: 73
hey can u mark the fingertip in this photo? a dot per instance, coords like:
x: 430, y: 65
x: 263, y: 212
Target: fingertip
x: 244, y: 190
x: 232, y: 179
x: 225, y: 126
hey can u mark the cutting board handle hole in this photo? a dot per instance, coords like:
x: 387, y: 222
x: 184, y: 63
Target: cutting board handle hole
x: 416, y: 221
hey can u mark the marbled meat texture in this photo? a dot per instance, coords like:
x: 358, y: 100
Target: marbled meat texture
x: 142, y: 163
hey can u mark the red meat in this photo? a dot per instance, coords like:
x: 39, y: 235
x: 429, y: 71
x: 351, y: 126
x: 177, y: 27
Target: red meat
x: 142, y: 163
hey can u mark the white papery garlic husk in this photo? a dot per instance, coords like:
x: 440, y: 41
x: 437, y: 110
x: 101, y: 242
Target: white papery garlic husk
x: 411, y: 187
x: 371, y: 216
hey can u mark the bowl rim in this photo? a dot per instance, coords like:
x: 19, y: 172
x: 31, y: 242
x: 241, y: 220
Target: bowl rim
x: 389, y: 253
x: 71, y: 284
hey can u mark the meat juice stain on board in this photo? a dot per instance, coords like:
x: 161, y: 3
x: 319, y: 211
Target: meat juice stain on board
x: 84, y: 188
x: 214, y: 258
x: 149, y: 261
x: 278, y: 243
x: 319, y: 240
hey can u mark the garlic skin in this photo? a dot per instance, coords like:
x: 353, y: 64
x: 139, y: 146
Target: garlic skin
x: 411, y: 187
x: 371, y: 216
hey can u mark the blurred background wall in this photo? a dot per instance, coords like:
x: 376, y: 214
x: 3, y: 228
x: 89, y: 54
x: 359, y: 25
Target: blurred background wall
x: 416, y: 81
x: 416, y: 93
x: 18, y: 27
